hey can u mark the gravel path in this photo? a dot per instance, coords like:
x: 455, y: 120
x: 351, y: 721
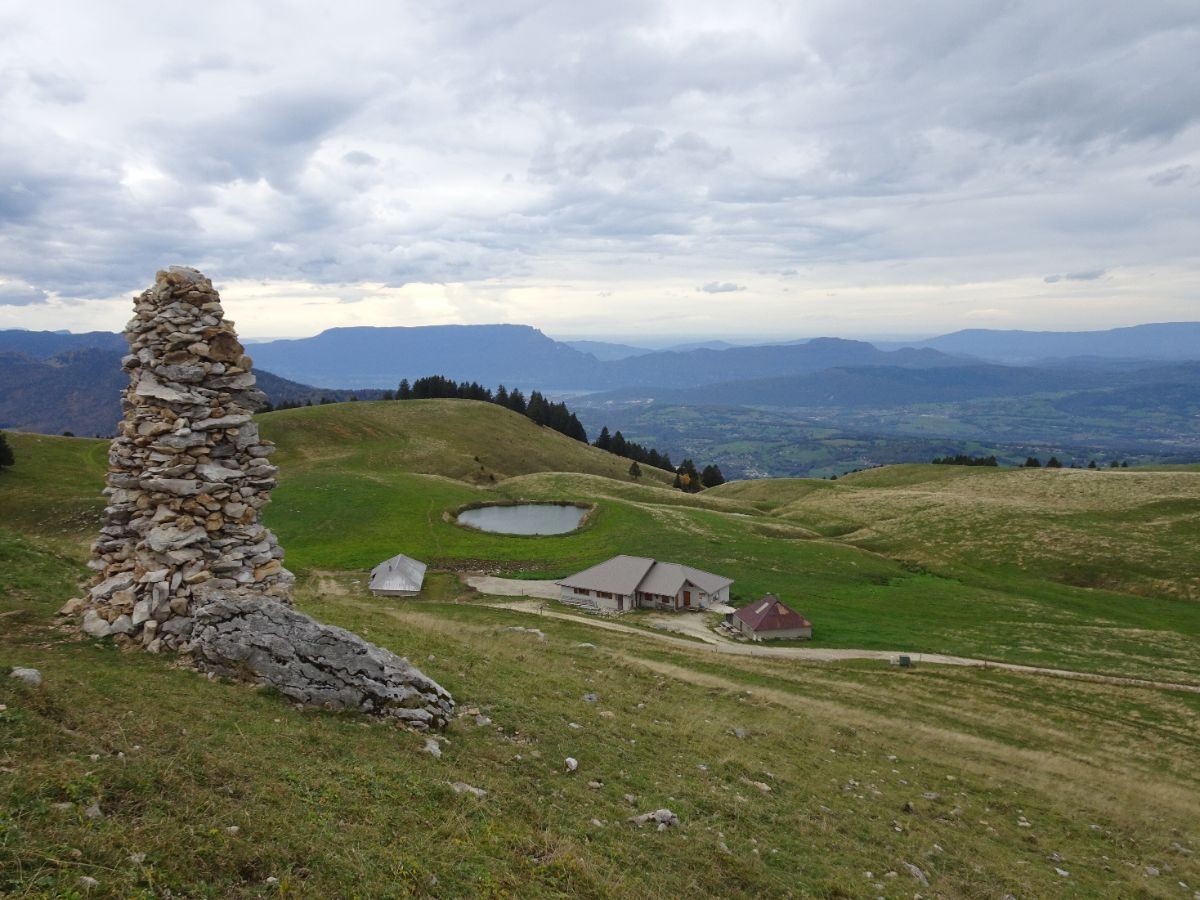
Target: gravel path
x: 512, y: 587
x: 543, y: 591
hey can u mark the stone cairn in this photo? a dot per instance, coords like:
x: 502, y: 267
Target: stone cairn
x: 188, y: 474
x: 183, y: 562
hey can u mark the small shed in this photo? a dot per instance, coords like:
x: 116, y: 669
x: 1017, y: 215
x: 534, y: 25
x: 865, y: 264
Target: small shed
x: 770, y: 620
x: 400, y: 576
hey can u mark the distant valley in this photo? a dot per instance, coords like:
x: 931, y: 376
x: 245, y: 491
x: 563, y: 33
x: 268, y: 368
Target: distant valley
x: 819, y: 407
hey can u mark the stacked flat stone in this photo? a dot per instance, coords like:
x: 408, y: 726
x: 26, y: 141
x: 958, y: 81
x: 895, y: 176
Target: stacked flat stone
x: 188, y: 474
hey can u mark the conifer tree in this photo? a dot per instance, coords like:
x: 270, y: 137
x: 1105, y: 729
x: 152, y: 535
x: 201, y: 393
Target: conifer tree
x: 635, y: 471
x: 6, y: 454
x: 619, y: 446
x: 404, y: 392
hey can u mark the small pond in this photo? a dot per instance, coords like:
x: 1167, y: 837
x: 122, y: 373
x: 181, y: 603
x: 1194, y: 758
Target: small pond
x: 525, y: 518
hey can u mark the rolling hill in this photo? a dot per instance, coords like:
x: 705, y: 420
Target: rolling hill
x: 825, y: 779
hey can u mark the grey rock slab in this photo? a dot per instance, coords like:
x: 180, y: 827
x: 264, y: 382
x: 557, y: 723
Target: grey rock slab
x: 220, y: 422
x: 164, y: 538
x: 31, y: 677
x: 315, y: 664
x: 215, y: 473
x: 110, y: 586
x: 95, y: 625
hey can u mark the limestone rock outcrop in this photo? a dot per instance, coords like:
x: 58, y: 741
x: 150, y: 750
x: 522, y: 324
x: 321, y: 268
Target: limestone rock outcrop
x: 188, y: 473
x: 183, y: 561
x: 314, y: 664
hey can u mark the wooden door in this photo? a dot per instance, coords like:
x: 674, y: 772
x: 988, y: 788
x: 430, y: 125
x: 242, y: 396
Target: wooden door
x: 687, y: 598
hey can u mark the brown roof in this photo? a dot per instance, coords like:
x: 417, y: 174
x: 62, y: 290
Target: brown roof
x: 769, y: 614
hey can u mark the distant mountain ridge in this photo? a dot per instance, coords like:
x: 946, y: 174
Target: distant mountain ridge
x: 855, y: 387
x: 1156, y: 341
x: 522, y: 356
x: 80, y: 391
x: 51, y: 381
x: 380, y: 357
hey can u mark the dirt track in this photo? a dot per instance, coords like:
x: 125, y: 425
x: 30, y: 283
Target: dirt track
x: 543, y: 591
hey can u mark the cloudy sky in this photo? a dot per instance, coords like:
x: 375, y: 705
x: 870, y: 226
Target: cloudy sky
x: 619, y: 169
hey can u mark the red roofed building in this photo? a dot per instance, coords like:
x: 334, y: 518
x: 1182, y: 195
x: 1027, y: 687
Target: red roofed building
x: 769, y: 620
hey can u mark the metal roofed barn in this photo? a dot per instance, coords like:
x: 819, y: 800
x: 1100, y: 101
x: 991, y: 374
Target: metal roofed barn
x: 638, y: 582
x: 769, y: 619
x: 400, y: 576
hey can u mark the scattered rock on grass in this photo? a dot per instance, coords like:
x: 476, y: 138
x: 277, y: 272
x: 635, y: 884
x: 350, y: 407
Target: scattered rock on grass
x: 590, y: 698
x: 87, y: 883
x: 663, y: 817
x: 572, y: 764
x: 916, y: 873
x: 433, y: 748
x: 94, y: 812
x: 31, y: 677
x: 461, y: 787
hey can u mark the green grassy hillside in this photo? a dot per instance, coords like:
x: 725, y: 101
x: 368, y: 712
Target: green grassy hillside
x: 1119, y: 529
x: 918, y: 558
x: 466, y: 440
x: 843, y: 775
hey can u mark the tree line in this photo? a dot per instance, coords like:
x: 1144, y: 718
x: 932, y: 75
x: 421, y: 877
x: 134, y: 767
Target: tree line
x: 559, y: 417
x: 541, y: 411
x: 1031, y: 462
x: 963, y: 460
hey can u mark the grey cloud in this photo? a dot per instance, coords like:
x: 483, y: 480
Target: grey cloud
x: 188, y: 67
x: 13, y: 293
x: 720, y: 287
x: 269, y: 136
x: 1170, y: 175
x: 1090, y: 275
x: 57, y: 88
x: 959, y: 136
x: 360, y: 158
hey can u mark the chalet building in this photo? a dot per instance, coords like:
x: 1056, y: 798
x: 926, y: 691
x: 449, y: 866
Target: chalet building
x: 638, y: 582
x: 770, y: 620
x: 400, y: 576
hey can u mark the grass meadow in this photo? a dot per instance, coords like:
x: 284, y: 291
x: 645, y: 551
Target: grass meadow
x: 790, y: 779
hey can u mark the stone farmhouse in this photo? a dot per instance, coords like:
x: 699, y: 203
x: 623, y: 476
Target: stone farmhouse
x: 638, y: 582
x: 770, y: 620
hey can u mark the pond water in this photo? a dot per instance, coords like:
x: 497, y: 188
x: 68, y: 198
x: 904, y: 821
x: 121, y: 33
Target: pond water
x: 525, y: 518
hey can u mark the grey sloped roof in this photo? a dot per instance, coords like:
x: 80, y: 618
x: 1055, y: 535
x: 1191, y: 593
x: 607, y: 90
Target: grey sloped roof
x: 620, y: 575
x: 626, y: 574
x: 400, y: 573
x: 668, y: 578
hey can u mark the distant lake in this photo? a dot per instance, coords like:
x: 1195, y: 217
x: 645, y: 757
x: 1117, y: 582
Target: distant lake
x: 525, y: 518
